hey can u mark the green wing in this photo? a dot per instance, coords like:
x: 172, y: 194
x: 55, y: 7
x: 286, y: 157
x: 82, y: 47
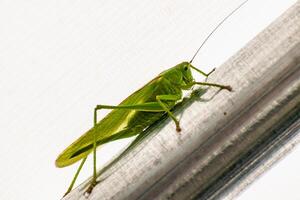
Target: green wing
x: 112, y: 127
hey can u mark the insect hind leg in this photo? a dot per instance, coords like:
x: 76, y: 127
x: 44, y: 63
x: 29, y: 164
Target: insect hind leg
x: 94, y: 179
x: 148, y: 107
x: 75, y: 177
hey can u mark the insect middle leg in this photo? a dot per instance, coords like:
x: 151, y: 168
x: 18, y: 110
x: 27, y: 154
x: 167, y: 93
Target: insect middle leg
x: 227, y: 87
x: 174, y: 98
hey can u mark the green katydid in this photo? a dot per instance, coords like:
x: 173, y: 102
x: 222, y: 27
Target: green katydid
x: 136, y: 113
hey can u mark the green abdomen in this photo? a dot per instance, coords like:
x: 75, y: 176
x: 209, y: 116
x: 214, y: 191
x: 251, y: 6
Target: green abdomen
x: 120, y: 124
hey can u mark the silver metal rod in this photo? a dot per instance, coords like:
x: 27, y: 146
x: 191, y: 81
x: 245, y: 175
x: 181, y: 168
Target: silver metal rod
x: 226, y: 136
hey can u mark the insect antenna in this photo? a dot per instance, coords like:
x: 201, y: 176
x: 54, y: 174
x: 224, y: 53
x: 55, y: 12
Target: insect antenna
x: 214, y: 30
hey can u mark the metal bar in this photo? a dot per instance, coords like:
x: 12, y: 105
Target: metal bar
x: 226, y: 136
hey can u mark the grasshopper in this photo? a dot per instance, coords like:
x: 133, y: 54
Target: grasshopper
x: 136, y: 113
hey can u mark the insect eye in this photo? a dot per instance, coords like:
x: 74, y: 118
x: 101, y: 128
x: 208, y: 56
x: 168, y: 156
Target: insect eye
x: 185, y: 68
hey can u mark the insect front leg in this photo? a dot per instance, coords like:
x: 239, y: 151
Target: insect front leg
x: 161, y: 98
x: 202, y: 72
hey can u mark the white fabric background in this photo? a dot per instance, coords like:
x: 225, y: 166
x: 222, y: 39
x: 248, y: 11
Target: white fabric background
x: 58, y: 59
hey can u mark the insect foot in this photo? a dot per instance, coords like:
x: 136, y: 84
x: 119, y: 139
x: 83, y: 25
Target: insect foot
x: 90, y: 189
x: 211, y: 71
x: 227, y: 87
x: 65, y: 194
x: 178, y: 129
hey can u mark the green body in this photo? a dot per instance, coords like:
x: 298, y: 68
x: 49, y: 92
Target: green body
x: 123, y: 123
x: 133, y: 115
x: 136, y: 113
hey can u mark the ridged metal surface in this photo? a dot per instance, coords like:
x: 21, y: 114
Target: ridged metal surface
x: 224, y: 133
